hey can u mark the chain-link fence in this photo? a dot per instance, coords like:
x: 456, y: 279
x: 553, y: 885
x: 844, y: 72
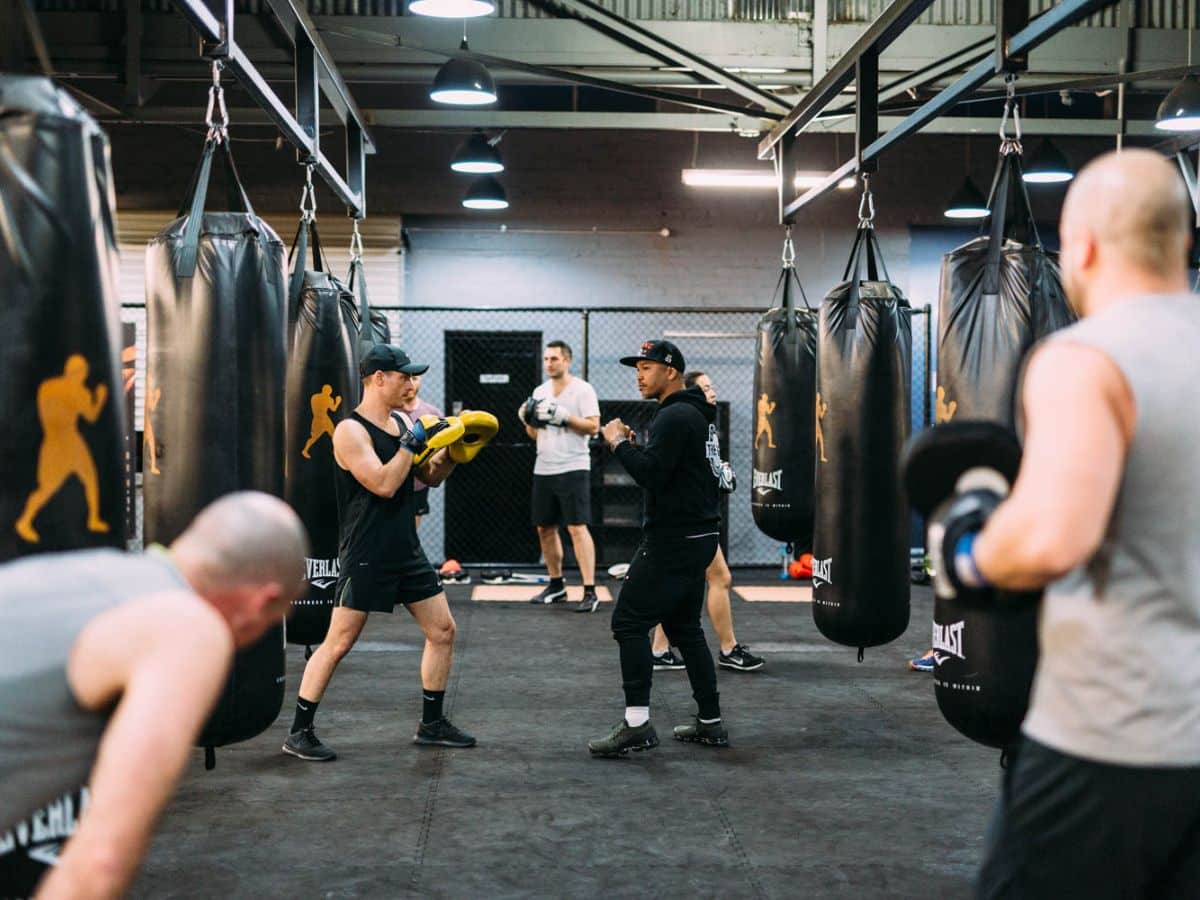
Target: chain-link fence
x: 491, y: 358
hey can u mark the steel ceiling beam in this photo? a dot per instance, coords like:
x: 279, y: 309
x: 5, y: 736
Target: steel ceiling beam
x: 635, y: 35
x: 879, y: 34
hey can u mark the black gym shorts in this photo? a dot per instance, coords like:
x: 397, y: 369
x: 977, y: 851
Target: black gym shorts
x: 563, y: 499
x: 368, y: 591
x: 421, y: 502
x: 1070, y: 827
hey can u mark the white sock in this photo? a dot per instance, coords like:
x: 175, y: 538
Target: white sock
x: 637, y: 715
x: 710, y: 721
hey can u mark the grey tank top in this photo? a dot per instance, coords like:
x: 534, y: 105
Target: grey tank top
x: 1118, y: 679
x: 47, y: 740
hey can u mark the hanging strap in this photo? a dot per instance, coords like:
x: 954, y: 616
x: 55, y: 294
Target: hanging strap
x: 36, y: 39
x: 358, y: 286
x: 306, y: 236
x: 865, y: 252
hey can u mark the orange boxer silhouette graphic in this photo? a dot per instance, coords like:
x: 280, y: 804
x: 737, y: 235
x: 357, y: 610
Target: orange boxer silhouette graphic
x: 61, y: 402
x: 822, y: 408
x: 945, y: 411
x: 322, y: 405
x: 149, y: 445
x: 765, y: 408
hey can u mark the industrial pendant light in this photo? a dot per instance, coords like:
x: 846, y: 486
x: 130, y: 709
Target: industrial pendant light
x: 485, y: 193
x: 452, y: 9
x: 463, y: 82
x: 1180, y: 109
x: 967, y: 203
x: 1048, y: 166
x: 478, y: 156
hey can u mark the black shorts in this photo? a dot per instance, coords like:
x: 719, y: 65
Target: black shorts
x: 563, y: 499
x: 1071, y: 827
x: 421, y: 502
x: 376, y: 591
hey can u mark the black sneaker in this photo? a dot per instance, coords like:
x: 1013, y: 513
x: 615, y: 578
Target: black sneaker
x: 550, y: 595
x: 623, y: 738
x: 442, y: 734
x: 589, y: 603
x: 740, y: 658
x: 713, y: 734
x: 306, y: 745
x: 668, y: 661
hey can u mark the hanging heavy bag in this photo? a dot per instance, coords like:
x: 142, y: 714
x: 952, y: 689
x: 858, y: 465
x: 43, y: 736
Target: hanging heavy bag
x: 322, y: 388
x: 371, y: 324
x: 1000, y: 293
x: 216, y: 313
x: 984, y: 642
x: 860, y: 553
x: 785, y: 375
x: 63, y: 455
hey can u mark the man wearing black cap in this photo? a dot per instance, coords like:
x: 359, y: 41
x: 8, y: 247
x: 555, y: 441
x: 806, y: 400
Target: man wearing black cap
x: 380, y: 560
x: 679, y: 467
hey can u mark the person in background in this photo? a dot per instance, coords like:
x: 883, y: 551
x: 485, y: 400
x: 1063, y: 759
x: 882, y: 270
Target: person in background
x: 719, y: 580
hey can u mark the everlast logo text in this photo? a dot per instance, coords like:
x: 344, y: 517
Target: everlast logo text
x: 948, y: 638
x: 41, y: 835
x: 768, y: 481
x: 823, y: 570
x: 321, y: 573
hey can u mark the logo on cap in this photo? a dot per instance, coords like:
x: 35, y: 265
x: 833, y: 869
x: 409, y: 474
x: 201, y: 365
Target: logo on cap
x: 646, y: 347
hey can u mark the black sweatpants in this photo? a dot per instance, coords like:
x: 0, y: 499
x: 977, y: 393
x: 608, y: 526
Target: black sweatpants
x: 665, y: 584
x: 1069, y: 827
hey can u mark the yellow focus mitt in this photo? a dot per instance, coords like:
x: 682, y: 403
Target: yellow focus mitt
x: 478, y: 429
x: 433, y: 434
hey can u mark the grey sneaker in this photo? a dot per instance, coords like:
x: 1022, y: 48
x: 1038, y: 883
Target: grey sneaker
x: 696, y: 732
x: 740, y: 658
x: 623, y: 738
x: 306, y: 745
x: 668, y: 661
x: 589, y: 602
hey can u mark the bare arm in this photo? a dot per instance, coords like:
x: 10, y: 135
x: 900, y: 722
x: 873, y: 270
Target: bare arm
x: 585, y: 425
x: 1079, y: 417
x: 437, y: 468
x: 354, y: 452
x: 168, y: 669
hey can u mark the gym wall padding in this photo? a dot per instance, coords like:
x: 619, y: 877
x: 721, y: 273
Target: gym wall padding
x: 861, y: 553
x: 785, y: 375
x: 216, y: 310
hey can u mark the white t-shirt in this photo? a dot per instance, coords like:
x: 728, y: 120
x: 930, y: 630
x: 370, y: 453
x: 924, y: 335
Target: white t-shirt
x: 561, y: 449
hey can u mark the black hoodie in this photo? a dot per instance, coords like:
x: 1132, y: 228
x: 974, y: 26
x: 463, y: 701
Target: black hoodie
x: 679, y: 466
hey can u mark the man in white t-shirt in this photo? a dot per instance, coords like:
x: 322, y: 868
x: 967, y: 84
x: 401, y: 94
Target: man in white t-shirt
x: 561, y: 415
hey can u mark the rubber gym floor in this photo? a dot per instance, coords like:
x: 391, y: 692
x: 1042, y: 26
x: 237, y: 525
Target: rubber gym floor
x: 842, y: 780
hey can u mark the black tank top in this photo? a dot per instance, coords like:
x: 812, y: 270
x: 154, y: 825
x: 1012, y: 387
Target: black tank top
x: 377, y: 533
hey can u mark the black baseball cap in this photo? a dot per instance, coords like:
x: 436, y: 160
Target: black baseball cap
x: 388, y: 358
x: 657, y: 351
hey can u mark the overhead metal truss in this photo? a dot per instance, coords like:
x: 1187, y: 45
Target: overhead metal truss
x: 315, y: 75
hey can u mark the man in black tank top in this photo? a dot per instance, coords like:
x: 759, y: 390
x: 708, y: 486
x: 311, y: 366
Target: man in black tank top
x: 380, y: 559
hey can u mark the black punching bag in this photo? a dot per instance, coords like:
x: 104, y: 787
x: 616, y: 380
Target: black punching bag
x: 785, y: 376
x: 984, y: 648
x: 861, y: 543
x: 1000, y: 293
x: 216, y: 314
x: 322, y: 388
x: 62, y: 456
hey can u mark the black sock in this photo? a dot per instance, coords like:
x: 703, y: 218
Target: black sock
x: 305, y: 711
x: 589, y: 589
x: 556, y: 584
x: 432, y: 710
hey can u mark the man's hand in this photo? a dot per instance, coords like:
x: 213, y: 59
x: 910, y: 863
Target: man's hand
x: 550, y: 413
x: 615, y: 432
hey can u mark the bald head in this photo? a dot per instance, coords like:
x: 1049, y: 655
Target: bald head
x: 244, y: 539
x: 1126, y: 214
